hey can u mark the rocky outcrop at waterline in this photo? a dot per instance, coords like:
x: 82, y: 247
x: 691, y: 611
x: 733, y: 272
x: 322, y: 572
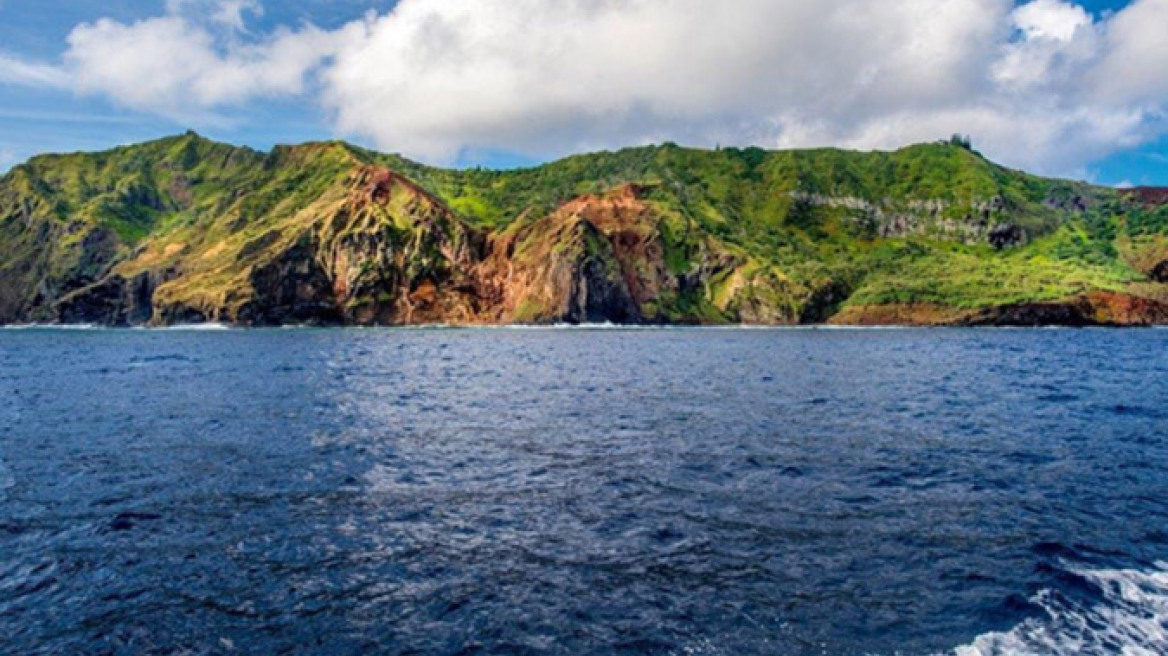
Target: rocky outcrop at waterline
x: 1103, y: 309
x: 185, y: 230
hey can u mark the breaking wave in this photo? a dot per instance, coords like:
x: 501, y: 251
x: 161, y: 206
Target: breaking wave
x: 1127, y: 617
x: 51, y: 326
x: 189, y: 327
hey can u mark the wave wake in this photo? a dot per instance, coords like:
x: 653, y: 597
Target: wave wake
x: 1129, y: 618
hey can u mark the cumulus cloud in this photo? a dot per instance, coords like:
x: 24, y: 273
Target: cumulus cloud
x: 1058, y: 39
x: 1044, y: 85
x: 433, y: 76
x: 181, y: 64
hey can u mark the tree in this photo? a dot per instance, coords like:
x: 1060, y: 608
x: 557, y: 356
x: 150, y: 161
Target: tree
x: 961, y: 141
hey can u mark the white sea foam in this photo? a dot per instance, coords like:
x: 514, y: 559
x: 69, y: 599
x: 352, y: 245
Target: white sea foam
x: 1131, y: 620
x: 195, y: 327
x: 52, y: 326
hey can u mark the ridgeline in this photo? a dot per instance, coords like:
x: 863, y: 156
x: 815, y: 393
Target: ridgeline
x: 185, y: 230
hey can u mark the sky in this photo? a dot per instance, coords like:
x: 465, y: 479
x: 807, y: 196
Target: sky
x: 1056, y: 87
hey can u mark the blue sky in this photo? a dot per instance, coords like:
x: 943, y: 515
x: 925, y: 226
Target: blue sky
x: 462, y: 82
x: 49, y: 120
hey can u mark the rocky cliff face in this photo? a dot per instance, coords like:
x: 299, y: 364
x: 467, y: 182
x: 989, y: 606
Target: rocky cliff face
x: 47, y: 260
x: 185, y: 230
x: 601, y: 258
x: 390, y: 253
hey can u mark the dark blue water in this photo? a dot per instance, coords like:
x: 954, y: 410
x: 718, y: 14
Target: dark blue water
x: 584, y: 492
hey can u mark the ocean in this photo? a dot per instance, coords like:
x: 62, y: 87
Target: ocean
x: 584, y: 491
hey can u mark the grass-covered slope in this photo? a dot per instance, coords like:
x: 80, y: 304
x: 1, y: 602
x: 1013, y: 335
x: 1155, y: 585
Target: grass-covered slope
x: 185, y: 229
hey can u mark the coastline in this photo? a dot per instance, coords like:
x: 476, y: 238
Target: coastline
x: 1093, y: 309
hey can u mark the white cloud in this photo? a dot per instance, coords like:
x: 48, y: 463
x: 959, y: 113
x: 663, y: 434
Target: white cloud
x: 1043, y: 85
x: 1135, y: 69
x: 435, y: 76
x: 1052, y: 20
x: 179, y: 67
x: 17, y: 71
x: 547, y: 77
x: 1058, y: 40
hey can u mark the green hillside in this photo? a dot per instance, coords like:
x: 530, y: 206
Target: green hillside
x: 186, y: 229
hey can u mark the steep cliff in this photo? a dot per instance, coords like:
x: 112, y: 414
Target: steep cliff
x: 188, y: 230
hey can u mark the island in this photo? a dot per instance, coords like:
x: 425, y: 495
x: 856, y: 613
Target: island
x: 188, y: 230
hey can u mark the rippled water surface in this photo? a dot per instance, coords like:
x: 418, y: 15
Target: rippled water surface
x: 585, y: 492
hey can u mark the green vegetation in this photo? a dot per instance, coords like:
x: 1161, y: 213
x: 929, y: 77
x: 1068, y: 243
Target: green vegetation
x: 914, y: 226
